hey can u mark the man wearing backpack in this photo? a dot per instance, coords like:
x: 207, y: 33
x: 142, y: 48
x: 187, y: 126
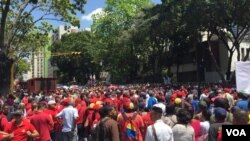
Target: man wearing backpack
x: 106, y: 129
x: 130, y: 124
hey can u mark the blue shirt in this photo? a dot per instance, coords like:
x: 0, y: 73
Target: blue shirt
x: 151, y: 102
x: 195, y: 104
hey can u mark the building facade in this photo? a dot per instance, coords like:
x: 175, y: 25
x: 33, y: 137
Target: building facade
x: 197, y: 64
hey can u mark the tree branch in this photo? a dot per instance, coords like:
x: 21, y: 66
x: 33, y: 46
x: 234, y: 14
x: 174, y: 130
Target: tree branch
x: 28, y: 27
x: 219, y: 34
x: 242, y: 30
x: 17, y: 18
x: 242, y: 36
x: 3, y: 24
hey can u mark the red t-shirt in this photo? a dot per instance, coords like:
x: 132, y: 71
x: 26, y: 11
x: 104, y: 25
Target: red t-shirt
x: 90, y: 114
x: 147, y: 122
x: 4, y: 125
x: 20, y: 132
x: 197, y: 127
x: 81, y: 111
x: 108, y: 101
x: 28, y: 106
x: 57, y: 121
x: 93, y: 99
x: 1, y: 137
x: 42, y: 123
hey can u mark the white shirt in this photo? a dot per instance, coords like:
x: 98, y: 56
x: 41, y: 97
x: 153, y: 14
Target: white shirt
x: 183, y: 132
x: 204, y: 127
x: 68, y: 114
x: 163, y: 132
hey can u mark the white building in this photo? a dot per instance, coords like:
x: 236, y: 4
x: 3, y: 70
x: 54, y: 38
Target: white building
x: 63, y: 29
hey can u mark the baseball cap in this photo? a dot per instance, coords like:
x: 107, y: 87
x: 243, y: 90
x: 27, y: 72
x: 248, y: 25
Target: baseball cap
x: 177, y: 101
x: 163, y: 108
x: 128, y: 105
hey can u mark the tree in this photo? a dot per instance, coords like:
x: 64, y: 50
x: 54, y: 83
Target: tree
x: 18, y: 20
x: 82, y: 62
x: 163, y: 28
x: 228, y: 20
x: 117, y: 17
x: 21, y: 67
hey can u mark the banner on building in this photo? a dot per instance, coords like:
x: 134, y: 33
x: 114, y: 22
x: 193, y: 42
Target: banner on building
x: 243, y: 76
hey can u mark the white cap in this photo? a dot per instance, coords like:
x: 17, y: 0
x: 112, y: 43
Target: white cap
x: 51, y: 102
x: 162, y: 106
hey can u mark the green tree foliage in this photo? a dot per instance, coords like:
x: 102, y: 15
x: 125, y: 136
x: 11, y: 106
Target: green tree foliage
x: 74, y: 65
x: 157, y: 34
x: 17, y: 21
x: 21, y: 67
x: 118, y: 58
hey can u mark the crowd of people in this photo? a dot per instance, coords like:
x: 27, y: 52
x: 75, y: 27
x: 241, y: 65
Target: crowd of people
x: 127, y: 113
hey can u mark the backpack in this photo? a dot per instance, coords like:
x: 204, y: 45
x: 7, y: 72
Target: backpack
x: 130, y: 128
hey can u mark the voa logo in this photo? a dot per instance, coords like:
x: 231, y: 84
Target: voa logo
x: 236, y: 132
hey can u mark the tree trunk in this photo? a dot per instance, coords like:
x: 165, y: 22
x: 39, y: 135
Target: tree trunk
x: 217, y: 68
x: 5, y: 73
x: 228, y: 73
x: 237, y: 46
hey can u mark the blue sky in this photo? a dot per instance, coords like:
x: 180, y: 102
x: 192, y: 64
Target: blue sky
x: 92, y: 7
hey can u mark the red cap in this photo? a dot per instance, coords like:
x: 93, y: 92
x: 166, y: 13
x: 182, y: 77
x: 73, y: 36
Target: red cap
x: 67, y: 100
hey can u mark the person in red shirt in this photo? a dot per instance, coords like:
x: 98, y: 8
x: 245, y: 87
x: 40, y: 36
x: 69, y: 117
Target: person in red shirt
x: 79, y: 121
x: 21, y: 128
x: 137, y: 122
x: 147, y: 122
x: 4, y: 124
x: 42, y: 122
x: 32, y: 111
x: 52, y: 111
x: 58, y: 106
x: 107, y: 99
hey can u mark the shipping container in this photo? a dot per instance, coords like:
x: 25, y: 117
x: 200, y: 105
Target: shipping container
x: 35, y: 85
